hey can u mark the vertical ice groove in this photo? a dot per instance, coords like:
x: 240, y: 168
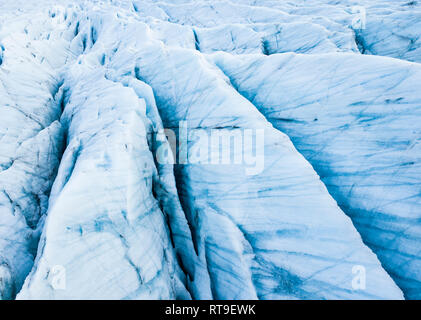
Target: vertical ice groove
x: 118, y: 232
x: 31, y: 137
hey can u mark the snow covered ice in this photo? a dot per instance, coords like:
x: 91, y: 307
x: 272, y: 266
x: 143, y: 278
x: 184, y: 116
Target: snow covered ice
x: 109, y: 115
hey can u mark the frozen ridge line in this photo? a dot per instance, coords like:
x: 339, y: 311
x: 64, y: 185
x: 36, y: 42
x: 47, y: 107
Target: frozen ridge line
x: 89, y: 209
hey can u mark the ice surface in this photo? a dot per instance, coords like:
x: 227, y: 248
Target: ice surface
x: 102, y: 209
x: 231, y: 212
x: 302, y: 85
x: 361, y: 133
x: 31, y: 141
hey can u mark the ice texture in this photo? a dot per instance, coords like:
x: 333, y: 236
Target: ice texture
x: 31, y: 140
x: 102, y: 209
x: 109, y: 187
x: 361, y: 133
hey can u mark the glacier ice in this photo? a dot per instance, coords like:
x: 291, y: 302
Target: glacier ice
x: 361, y: 133
x: 322, y: 96
x: 31, y: 142
x: 230, y: 210
x: 113, y: 234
